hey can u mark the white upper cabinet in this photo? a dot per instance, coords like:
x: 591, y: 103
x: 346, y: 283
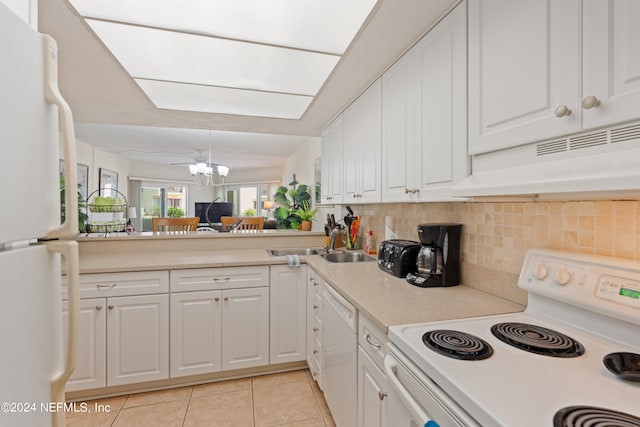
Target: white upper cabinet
x: 538, y: 70
x: 362, y: 147
x: 611, y: 61
x: 524, y: 72
x: 332, y: 161
x: 424, y: 120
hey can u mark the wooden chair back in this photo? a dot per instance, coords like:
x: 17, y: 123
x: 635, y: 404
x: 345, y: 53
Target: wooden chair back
x: 174, y: 225
x: 232, y: 223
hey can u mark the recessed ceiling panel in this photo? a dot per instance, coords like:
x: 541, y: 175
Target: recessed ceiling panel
x: 171, y: 56
x: 210, y: 99
x: 325, y: 26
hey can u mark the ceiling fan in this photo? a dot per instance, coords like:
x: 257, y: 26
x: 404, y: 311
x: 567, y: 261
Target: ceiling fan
x: 202, y: 169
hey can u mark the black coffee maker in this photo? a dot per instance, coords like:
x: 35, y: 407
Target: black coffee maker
x: 438, y: 262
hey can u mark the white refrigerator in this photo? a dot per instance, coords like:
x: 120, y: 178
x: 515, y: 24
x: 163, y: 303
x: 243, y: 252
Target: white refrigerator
x: 35, y: 358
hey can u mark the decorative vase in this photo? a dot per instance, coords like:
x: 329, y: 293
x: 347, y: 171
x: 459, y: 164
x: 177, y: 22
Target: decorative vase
x: 305, y: 226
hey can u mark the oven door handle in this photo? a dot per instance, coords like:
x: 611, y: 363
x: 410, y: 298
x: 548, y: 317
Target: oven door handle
x: 416, y: 411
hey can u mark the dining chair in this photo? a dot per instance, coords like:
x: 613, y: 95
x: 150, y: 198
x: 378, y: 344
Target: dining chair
x: 174, y: 225
x: 234, y: 223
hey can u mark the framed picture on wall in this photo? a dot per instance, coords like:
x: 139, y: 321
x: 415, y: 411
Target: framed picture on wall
x: 83, y: 179
x: 108, y: 181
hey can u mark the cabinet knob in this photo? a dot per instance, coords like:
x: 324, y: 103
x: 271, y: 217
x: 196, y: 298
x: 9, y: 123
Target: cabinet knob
x: 216, y: 299
x: 315, y: 351
x: 562, y: 111
x: 316, y: 306
x: 315, y: 330
x: 226, y: 298
x: 407, y: 191
x: 98, y: 307
x: 382, y: 395
x: 590, y: 102
x: 110, y: 307
x: 415, y: 190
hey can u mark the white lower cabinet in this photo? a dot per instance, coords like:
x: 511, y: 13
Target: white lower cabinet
x: 219, y: 330
x: 288, y: 299
x: 372, y: 411
x: 137, y: 339
x: 314, y: 328
x: 123, y: 340
x: 245, y: 328
x: 372, y: 396
x: 196, y: 333
x: 91, y: 362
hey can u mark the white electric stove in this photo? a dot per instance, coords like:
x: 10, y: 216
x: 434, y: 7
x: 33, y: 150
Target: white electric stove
x: 581, y: 308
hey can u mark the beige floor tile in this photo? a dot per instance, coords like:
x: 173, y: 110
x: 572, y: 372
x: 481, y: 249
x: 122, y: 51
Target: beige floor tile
x: 233, y: 409
x: 316, y: 422
x: 110, y: 404
x: 284, y: 403
x: 221, y: 387
x: 104, y: 419
x: 160, y: 396
x: 166, y: 414
x: 281, y: 378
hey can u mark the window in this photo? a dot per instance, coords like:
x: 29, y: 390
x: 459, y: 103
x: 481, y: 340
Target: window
x: 157, y: 198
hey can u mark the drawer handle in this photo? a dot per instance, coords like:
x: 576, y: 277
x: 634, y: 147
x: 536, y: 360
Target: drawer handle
x: 216, y: 299
x: 382, y: 395
x: 98, y: 307
x: 590, y: 102
x: 562, y: 111
x: 223, y: 280
x: 110, y: 307
x: 226, y: 298
x: 368, y: 339
x: 111, y: 286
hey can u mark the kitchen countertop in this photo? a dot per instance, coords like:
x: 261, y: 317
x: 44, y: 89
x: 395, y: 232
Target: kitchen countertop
x: 385, y: 299
x: 388, y: 300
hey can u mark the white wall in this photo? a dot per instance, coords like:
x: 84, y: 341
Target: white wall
x: 97, y: 159
x: 302, y: 164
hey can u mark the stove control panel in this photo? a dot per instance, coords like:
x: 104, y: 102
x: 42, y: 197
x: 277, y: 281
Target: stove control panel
x: 622, y: 291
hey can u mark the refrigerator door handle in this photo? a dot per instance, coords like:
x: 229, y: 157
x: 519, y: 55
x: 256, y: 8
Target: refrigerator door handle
x: 69, y: 251
x: 52, y: 95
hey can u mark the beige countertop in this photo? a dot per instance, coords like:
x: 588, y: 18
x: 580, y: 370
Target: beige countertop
x: 385, y: 299
x: 388, y: 300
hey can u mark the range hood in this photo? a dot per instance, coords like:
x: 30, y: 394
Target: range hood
x: 597, y: 164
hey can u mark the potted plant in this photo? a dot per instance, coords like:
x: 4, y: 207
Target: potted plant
x: 175, y: 212
x: 306, y: 214
x: 289, y: 201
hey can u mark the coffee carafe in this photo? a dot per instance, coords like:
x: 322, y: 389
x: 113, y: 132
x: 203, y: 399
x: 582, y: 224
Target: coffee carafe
x: 438, y: 262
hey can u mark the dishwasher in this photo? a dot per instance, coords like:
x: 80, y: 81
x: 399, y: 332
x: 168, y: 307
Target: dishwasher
x: 340, y: 344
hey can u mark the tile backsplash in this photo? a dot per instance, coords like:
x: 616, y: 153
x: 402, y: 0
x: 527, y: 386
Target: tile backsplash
x: 497, y: 235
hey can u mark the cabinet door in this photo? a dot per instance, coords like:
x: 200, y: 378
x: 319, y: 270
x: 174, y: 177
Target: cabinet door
x: 441, y: 155
x: 137, y: 339
x: 611, y: 61
x: 372, y: 402
x: 196, y: 333
x: 399, y: 134
x: 91, y: 362
x: 524, y: 63
x: 245, y: 328
x: 332, y: 161
x: 288, y: 314
x: 362, y: 147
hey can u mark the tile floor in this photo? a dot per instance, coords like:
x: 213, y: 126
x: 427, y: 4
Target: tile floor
x: 290, y: 399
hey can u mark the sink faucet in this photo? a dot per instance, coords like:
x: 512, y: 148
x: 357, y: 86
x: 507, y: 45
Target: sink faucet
x: 332, y: 239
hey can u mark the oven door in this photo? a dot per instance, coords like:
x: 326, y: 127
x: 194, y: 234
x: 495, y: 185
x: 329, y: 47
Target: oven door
x: 414, y: 400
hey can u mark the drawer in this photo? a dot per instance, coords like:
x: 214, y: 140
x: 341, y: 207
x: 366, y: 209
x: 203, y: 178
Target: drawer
x: 204, y: 279
x: 372, y: 340
x: 97, y: 285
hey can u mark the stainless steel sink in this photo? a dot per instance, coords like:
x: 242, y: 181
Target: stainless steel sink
x: 347, y: 257
x: 293, y: 251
